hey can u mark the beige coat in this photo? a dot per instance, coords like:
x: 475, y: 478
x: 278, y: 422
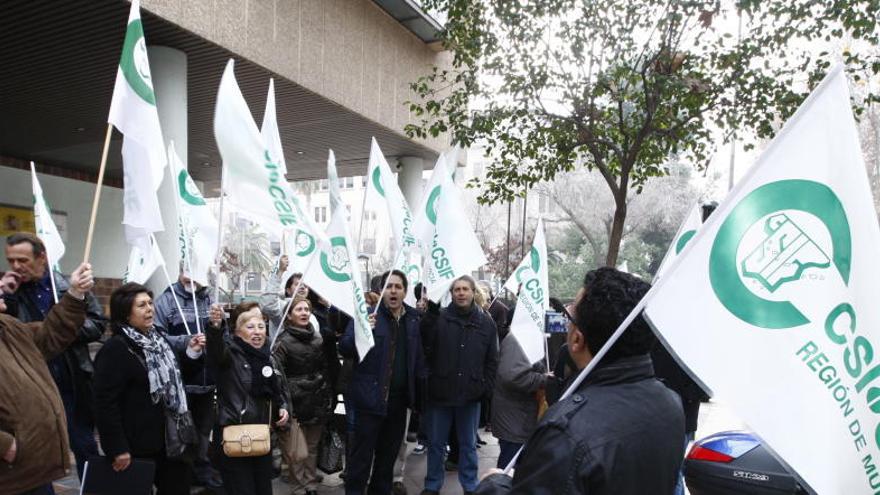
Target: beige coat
x: 31, y: 411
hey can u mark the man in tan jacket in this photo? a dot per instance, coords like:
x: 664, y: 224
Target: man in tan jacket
x: 33, y: 431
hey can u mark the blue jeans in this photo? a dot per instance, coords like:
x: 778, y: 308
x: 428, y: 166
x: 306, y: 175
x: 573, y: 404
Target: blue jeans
x: 439, y: 419
x: 508, y: 450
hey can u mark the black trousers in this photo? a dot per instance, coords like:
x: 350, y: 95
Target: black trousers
x: 202, y: 408
x: 246, y: 475
x: 376, y: 444
x: 172, y: 477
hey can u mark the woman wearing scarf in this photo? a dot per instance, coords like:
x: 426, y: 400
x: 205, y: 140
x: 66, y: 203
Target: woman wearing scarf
x: 137, y: 386
x: 248, y: 392
x: 300, y: 355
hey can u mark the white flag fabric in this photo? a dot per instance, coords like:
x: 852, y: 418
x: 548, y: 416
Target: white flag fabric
x: 527, y: 324
x: 537, y: 261
x: 688, y: 229
x: 269, y: 130
x: 47, y: 231
x: 133, y: 112
x: 254, y: 180
x: 774, y: 303
x: 382, y: 189
x: 335, y: 275
x: 198, y: 226
x: 142, y: 264
x: 449, y: 244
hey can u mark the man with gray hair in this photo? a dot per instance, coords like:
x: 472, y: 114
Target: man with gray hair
x: 461, y: 350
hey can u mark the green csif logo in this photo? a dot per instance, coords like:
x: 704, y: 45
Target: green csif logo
x: 188, y: 190
x: 336, y: 266
x: 304, y: 242
x: 785, y: 251
x: 431, y: 206
x: 377, y: 181
x: 135, y: 64
x: 535, y: 264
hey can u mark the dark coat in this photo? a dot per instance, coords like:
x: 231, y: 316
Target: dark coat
x: 675, y: 377
x: 462, y: 356
x: 514, y: 404
x: 126, y: 417
x: 621, y: 433
x: 501, y: 316
x: 31, y: 412
x: 299, y: 356
x: 198, y: 379
x: 235, y: 402
x: 76, y: 358
x: 371, y: 377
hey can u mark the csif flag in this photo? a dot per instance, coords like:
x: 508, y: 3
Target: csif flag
x: 142, y: 264
x: 46, y: 229
x: 686, y: 232
x: 133, y: 112
x: 198, y: 226
x: 530, y: 276
x: 773, y: 304
x: 334, y: 272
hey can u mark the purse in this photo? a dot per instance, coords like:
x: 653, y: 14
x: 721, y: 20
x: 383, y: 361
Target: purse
x: 180, y: 433
x: 331, y: 451
x: 250, y: 440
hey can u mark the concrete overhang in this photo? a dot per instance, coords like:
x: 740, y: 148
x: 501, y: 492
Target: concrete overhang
x: 59, y: 63
x: 411, y: 15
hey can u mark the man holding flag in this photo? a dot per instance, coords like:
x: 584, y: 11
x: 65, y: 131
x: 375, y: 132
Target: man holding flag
x: 39, y: 289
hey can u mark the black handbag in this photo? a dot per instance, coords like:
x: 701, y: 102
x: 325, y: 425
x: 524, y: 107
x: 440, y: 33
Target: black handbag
x: 331, y: 451
x: 180, y: 434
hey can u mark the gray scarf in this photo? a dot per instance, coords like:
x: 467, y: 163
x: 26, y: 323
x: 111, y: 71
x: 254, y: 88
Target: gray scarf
x: 162, y: 370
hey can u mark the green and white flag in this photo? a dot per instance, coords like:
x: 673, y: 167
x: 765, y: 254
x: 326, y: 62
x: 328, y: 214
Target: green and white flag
x: 536, y: 260
x: 47, y: 231
x: 254, y: 179
x: 334, y: 274
x: 774, y: 303
x: 198, y: 226
x: 142, y: 264
x: 530, y: 276
x: 300, y: 239
x: 133, y: 112
x: 382, y: 189
x: 688, y: 229
x: 449, y: 245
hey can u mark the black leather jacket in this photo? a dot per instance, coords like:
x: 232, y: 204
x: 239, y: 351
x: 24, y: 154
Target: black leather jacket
x: 235, y: 403
x: 76, y: 358
x: 461, y: 354
x: 299, y: 356
x: 621, y: 433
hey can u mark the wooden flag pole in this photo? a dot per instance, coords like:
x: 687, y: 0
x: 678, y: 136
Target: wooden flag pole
x: 97, y: 198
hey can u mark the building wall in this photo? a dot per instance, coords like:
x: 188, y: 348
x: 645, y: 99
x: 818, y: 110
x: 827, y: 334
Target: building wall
x: 74, y: 197
x: 349, y: 51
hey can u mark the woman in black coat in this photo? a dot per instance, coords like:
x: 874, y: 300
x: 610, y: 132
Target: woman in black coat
x: 137, y: 385
x: 299, y: 354
x: 248, y: 392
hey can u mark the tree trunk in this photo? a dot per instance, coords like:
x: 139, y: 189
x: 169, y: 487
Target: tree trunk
x: 616, y: 231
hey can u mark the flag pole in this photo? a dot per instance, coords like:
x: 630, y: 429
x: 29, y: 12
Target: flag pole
x: 219, y: 237
x: 388, y: 278
x: 187, y: 252
x: 97, y: 198
x: 176, y: 301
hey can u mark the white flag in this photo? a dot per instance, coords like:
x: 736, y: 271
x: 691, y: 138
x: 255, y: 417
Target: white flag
x: 47, y: 231
x: 335, y: 275
x: 269, y: 130
x: 537, y: 261
x: 142, y: 264
x: 450, y: 246
x: 254, y: 179
x: 133, y: 112
x: 382, y: 189
x: 774, y: 303
x: 688, y: 229
x: 530, y: 277
x: 198, y: 226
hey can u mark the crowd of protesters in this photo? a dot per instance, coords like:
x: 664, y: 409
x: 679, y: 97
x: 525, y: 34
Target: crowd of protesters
x: 178, y: 379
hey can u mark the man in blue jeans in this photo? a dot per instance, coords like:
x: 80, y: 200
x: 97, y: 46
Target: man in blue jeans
x: 461, y: 350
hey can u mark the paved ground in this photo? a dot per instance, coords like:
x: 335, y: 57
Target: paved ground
x: 714, y: 417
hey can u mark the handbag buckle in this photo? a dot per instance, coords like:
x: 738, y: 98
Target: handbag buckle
x: 246, y: 443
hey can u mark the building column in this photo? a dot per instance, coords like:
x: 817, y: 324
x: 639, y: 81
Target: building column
x: 409, y: 178
x: 168, y: 69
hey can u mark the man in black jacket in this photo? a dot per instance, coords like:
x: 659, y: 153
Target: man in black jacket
x: 461, y: 349
x: 72, y: 370
x: 621, y: 431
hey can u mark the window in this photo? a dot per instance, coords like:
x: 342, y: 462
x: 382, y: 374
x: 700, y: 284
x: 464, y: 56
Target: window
x: 348, y: 182
x: 363, y: 181
x: 323, y: 185
x: 320, y: 214
x: 275, y: 248
x: 348, y: 211
x: 254, y: 282
x: 369, y: 245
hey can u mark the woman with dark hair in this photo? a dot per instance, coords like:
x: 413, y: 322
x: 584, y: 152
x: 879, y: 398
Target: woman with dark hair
x: 137, y: 387
x: 300, y: 356
x: 248, y: 392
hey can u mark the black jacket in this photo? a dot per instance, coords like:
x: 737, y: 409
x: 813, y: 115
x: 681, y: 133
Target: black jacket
x: 462, y: 355
x: 299, y: 356
x: 76, y: 359
x: 368, y: 389
x: 126, y: 417
x: 621, y: 433
x: 235, y: 402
